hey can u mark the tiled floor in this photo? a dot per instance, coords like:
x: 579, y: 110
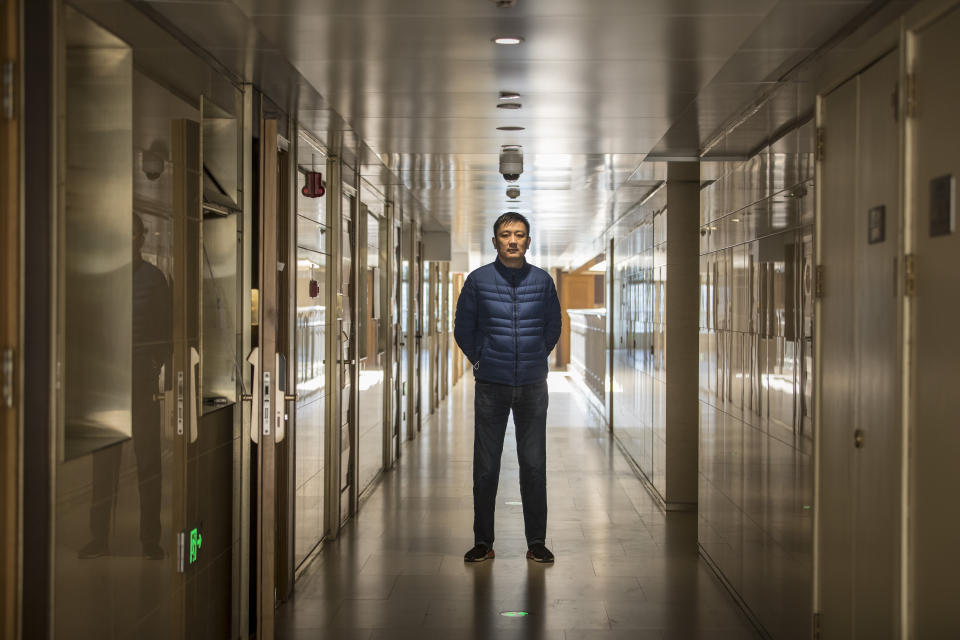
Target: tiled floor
x: 623, y: 570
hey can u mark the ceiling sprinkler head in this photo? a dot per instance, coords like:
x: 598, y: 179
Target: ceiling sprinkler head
x: 513, y: 192
x: 511, y: 162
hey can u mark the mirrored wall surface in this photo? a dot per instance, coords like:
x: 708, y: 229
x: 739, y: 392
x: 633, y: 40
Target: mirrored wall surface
x: 639, y: 376
x: 756, y: 379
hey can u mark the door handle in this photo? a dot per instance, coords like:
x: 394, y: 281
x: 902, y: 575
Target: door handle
x: 254, y: 398
x: 194, y: 365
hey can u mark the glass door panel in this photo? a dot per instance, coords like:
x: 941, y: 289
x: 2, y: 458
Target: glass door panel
x: 312, y: 256
x: 371, y: 353
x: 347, y: 357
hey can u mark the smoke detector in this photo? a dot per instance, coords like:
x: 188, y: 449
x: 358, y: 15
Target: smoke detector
x: 513, y: 192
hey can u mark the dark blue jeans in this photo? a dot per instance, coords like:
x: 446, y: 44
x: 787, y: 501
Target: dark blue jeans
x: 491, y: 408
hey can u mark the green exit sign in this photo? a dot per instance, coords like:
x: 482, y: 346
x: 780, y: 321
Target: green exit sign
x: 196, y: 541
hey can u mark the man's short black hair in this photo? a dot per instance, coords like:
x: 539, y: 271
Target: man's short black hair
x: 511, y: 216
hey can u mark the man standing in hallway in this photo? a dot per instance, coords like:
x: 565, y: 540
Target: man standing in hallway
x: 507, y: 323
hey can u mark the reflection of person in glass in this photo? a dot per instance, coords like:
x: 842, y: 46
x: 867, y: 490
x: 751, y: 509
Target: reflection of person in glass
x: 152, y: 346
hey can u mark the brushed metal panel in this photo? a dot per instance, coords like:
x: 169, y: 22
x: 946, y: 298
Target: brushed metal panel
x: 97, y: 239
x: 935, y: 516
x: 876, y: 578
x: 756, y: 478
x: 837, y: 365
x: 415, y: 79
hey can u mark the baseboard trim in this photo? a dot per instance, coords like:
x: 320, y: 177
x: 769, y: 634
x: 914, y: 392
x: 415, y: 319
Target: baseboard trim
x: 747, y: 611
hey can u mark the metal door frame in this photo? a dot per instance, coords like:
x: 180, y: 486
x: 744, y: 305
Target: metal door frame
x: 353, y: 356
x: 387, y: 330
x: 331, y: 483
x: 413, y: 332
x: 10, y: 324
x: 334, y: 513
x: 267, y: 424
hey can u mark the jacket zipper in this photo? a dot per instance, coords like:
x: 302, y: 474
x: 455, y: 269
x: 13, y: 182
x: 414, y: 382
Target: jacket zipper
x: 516, y: 340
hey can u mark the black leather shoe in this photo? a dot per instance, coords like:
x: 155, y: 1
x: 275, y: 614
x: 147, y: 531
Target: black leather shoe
x: 539, y: 553
x: 479, y: 553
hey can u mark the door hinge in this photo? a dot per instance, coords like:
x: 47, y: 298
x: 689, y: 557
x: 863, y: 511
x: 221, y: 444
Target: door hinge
x: 821, y: 135
x: 910, y: 99
x: 816, y: 626
x: 909, y: 275
x: 8, y: 93
x: 7, y: 378
x: 818, y: 281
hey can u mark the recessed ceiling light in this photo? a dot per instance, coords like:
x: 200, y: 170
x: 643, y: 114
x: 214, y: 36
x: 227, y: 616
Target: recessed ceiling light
x: 508, y: 40
x: 510, y: 128
x: 509, y: 105
x: 509, y: 95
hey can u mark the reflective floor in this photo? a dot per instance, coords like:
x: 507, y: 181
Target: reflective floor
x: 623, y: 568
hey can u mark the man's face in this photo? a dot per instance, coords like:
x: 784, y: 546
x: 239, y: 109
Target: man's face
x: 511, y: 241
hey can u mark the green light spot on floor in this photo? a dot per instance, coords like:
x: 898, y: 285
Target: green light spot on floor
x: 807, y: 507
x: 514, y: 614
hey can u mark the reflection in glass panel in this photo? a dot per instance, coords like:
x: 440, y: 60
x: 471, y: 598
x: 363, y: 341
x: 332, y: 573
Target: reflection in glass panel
x: 114, y: 509
x: 96, y: 241
x: 370, y: 410
x: 310, y: 371
x: 220, y: 361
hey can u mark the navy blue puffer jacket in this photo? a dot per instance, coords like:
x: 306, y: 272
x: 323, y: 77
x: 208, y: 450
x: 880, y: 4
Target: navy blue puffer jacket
x: 508, y: 322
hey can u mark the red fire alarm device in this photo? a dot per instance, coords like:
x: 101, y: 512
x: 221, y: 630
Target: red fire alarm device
x: 314, y: 288
x: 313, y: 185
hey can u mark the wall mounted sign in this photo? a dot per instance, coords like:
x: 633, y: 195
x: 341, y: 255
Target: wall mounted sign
x: 877, y: 225
x: 942, y: 214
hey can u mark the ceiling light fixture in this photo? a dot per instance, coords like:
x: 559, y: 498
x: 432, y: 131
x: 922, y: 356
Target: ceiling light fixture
x: 509, y: 95
x: 508, y: 40
x: 511, y: 128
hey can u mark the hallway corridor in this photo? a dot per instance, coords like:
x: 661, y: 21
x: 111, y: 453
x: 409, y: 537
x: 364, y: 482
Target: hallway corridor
x: 624, y: 569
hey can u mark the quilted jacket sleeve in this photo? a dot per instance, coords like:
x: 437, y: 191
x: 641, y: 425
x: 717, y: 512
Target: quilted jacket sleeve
x: 465, y: 321
x: 553, y: 320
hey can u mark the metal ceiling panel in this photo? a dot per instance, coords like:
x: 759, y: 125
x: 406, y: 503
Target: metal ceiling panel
x: 408, y: 90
